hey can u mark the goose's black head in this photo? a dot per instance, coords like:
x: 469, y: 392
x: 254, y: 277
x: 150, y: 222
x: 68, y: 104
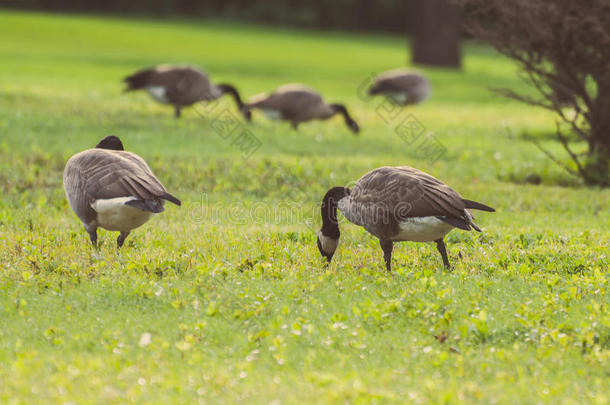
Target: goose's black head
x: 349, y: 121
x: 327, y: 246
x: 353, y: 126
x: 110, y: 142
x: 328, y: 237
x: 227, y: 88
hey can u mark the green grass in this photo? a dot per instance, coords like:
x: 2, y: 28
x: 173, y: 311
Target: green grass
x: 226, y: 299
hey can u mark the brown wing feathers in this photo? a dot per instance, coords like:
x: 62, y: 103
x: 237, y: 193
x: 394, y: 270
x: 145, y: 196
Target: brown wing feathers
x: 446, y: 203
x: 121, y: 174
x: 138, y: 188
x: 393, y: 187
x: 455, y: 208
x: 153, y: 187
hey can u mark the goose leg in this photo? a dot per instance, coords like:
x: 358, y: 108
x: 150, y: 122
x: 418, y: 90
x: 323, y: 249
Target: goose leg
x: 295, y: 125
x: 93, y: 237
x: 440, y: 245
x: 387, y: 246
x: 176, y: 112
x: 121, y: 239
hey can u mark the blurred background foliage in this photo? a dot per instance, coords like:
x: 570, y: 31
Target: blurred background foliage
x: 390, y: 16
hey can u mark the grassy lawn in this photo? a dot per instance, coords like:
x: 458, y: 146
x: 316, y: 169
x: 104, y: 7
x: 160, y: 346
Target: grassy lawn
x: 226, y: 298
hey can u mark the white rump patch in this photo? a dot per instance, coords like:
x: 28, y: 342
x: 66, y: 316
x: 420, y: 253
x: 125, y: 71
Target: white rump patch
x: 400, y: 98
x: 110, y: 204
x: 422, y: 229
x: 158, y: 93
x: 272, y: 114
x: 114, y: 215
x: 329, y: 245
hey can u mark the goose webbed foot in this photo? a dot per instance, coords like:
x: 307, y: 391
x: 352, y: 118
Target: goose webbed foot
x: 121, y: 239
x: 440, y: 245
x: 93, y: 237
x: 387, y: 246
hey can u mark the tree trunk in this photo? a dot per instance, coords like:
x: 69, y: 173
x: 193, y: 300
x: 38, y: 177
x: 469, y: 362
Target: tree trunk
x: 436, y: 39
x: 324, y: 19
x: 364, y: 11
x: 598, y: 165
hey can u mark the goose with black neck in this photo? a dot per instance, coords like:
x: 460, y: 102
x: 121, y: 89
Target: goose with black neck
x: 181, y: 86
x: 297, y: 103
x: 397, y: 204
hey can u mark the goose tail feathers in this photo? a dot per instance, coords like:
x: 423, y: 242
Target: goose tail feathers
x: 171, y: 198
x: 477, y: 206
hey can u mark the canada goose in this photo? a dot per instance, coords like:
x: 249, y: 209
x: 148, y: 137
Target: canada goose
x: 180, y: 87
x: 112, y: 189
x: 401, y: 86
x: 397, y: 204
x: 297, y: 103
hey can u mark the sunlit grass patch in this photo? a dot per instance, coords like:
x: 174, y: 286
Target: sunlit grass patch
x: 226, y: 298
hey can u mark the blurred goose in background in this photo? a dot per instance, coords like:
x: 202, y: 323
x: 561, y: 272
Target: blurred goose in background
x: 113, y: 189
x: 402, y: 86
x: 297, y: 103
x: 180, y: 87
x: 397, y: 204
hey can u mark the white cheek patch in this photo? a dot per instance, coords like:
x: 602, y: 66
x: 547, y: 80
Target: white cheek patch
x: 158, y: 93
x: 329, y: 245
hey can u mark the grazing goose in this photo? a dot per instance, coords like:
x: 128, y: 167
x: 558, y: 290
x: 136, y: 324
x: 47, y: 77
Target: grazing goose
x: 401, y: 86
x: 112, y: 189
x: 180, y: 87
x: 297, y: 103
x: 397, y: 204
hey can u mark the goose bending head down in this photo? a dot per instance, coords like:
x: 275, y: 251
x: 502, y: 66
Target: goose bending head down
x: 296, y: 103
x: 180, y: 86
x: 110, y: 188
x: 401, y: 86
x: 397, y: 204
